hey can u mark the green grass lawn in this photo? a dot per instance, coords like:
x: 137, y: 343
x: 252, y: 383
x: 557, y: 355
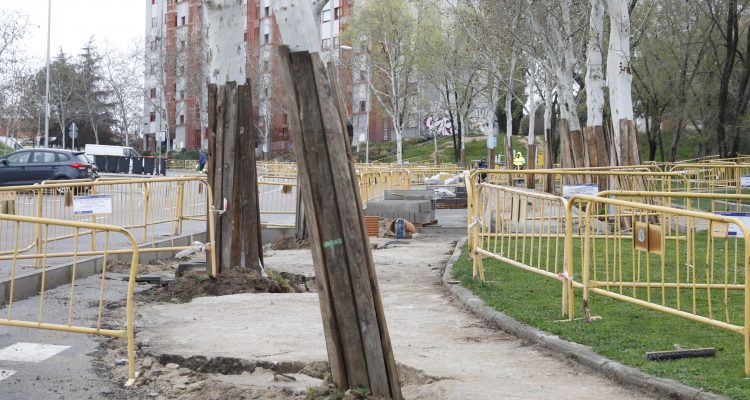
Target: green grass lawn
x: 421, y: 153
x: 626, y: 332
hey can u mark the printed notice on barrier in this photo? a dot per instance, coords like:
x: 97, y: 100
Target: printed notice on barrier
x: 590, y: 189
x: 745, y: 181
x: 7, y: 196
x: 84, y: 205
x: 734, y: 230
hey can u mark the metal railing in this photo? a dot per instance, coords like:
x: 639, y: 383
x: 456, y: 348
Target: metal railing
x: 75, y: 253
x: 651, y: 253
x: 697, y: 268
x: 152, y: 209
x: 521, y: 228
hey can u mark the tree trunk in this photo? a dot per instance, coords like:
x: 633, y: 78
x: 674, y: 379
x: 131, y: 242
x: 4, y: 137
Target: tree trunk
x: 731, y: 42
x: 620, y: 79
x: 595, y: 70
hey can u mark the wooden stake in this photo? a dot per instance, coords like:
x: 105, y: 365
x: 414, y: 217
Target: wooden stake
x: 357, y: 338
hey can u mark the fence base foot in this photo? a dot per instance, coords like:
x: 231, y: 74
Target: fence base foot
x: 131, y: 381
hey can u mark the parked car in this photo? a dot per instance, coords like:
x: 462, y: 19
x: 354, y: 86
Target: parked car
x: 29, y: 166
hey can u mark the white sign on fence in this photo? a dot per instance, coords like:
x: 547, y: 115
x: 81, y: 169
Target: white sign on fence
x: 745, y: 181
x: 84, y: 205
x: 7, y: 196
x: 590, y: 189
x: 734, y: 230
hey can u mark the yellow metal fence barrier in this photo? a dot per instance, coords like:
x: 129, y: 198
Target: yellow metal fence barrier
x: 682, y: 262
x: 74, y: 252
x: 152, y: 208
x: 686, y: 263
x: 521, y: 228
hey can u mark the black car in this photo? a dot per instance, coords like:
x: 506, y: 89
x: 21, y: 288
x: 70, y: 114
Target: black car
x: 26, y: 167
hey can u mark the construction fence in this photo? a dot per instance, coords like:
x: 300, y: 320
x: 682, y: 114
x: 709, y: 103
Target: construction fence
x: 675, y: 252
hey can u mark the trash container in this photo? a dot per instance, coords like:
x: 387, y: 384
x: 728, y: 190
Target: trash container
x: 112, y: 164
x: 148, y: 165
x: 137, y: 165
x: 101, y: 163
x: 124, y: 165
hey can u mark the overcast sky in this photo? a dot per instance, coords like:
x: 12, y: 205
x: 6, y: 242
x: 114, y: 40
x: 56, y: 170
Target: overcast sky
x: 75, y: 21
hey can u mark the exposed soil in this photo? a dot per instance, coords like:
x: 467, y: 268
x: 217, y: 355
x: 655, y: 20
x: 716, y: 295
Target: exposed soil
x: 290, y: 243
x: 193, y: 285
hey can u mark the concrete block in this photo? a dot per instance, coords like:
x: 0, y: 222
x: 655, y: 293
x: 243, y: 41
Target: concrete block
x: 416, y: 211
x: 409, y: 194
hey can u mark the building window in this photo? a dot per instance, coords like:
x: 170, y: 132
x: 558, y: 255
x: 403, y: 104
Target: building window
x: 182, y: 20
x: 182, y: 119
x: 335, y: 42
x: 182, y: 94
x: 326, y: 44
x: 244, y: 36
x: 181, y: 70
x: 336, y: 14
x: 153, y: 2
x: 265, y: 92
x: 326, y: 15
x: 182, y: 45
x: 267, y: 11
x: 153, y: 93
x: 152, y: 117
x: 265, y: 65
x: 266, y: 38
x: 154, y: 22
x: 362, y: 106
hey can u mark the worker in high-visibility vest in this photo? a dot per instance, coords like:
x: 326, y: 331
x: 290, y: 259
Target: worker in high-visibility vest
x: 518, y: 160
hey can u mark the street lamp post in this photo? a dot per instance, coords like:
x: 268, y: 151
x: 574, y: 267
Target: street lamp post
x: 46, y: 96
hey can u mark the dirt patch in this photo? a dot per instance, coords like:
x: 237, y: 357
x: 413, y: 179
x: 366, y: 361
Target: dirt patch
x: 235, y: 281
x: 290, y: 243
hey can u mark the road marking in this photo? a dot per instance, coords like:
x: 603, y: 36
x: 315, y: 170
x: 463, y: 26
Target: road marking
x: 6, y: 373
x: 30, y: 352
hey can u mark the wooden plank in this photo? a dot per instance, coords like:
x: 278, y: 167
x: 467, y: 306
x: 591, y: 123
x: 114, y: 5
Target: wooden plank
x: 566, y: 155
x: 237, y: 178
x: 330, y: 328
x: 352, y: 232
x: 602, y: 152
x: 391, y: 371
x: 250, y: 232
x: 325, y: 204
x: 230, y: 126
x: 211, y: 136
x: 218, y: 173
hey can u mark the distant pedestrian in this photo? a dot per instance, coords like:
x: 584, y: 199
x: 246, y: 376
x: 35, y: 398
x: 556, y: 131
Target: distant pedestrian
x: 201, y: 161
x: 519, y: 161
x: 482, y: 165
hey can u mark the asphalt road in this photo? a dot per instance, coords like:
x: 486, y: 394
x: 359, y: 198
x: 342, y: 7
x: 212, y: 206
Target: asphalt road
x: 40, y: 364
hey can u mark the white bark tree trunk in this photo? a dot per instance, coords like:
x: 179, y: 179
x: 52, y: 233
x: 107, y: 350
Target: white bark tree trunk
x: 509, y: 106
x: 399, y: 143
x: 225, y: 32
x: 547, y: 107
x: 566, y: 73
x: 619, y: 77
x: 533, y: 105
x: 595, y: 69
x: 296, y: 19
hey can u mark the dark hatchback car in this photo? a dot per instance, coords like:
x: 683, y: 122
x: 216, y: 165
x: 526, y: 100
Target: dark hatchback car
x: 26, y: 167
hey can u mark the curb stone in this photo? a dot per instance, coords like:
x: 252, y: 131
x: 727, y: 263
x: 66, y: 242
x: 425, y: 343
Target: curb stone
x: 583, y: 354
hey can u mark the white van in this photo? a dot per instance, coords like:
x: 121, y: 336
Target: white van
x: 105, y: 150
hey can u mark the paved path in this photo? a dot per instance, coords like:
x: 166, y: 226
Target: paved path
x: 461, y: 357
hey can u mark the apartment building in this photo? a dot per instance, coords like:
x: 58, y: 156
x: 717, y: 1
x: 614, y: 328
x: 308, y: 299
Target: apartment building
x: 173, y: 74
x: 175, y: 65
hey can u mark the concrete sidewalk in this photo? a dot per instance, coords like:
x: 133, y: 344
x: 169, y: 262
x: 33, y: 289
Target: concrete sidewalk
x: 444, y: 351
